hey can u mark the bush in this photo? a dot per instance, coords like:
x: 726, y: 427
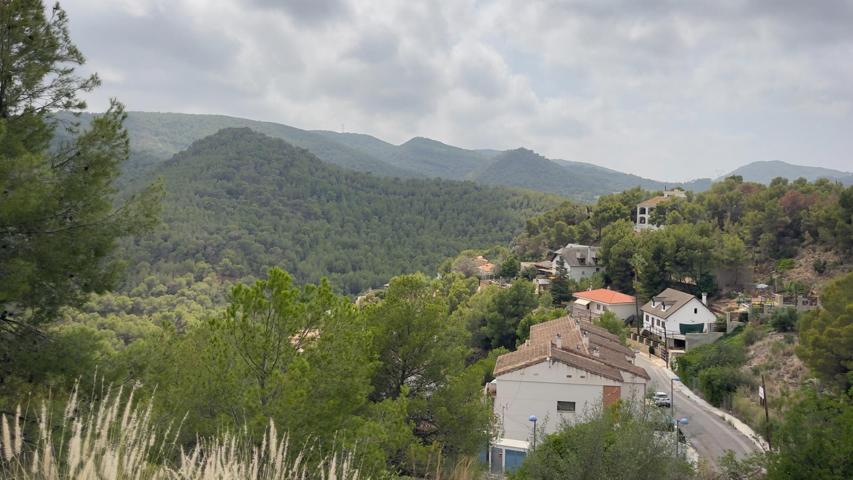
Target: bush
x: 719, y: 383
x: 752, y: 334
x: 785, y: 264
x: 784, y: 320
x: 819, y: 266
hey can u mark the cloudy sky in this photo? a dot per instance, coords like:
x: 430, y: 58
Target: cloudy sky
x: 666, y: 89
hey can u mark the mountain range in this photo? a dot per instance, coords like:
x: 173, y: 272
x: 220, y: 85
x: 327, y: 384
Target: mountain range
x: 241, y: 202
x: 155, y: 137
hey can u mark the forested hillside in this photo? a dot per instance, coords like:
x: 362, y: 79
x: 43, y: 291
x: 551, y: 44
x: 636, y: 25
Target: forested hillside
x: 243, y: 202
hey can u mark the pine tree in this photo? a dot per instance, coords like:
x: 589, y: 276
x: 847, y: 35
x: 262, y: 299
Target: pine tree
x: 59, y: 217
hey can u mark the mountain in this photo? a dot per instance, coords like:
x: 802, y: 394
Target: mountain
x: 527, y: 169
x: 155, y: 137
x: 765, y: 171
x: 242, y: 202
x: 428, y: 157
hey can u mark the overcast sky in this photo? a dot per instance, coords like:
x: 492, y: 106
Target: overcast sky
x: 666, y: 89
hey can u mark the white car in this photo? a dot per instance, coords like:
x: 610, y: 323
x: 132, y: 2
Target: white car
x: 662, y: 399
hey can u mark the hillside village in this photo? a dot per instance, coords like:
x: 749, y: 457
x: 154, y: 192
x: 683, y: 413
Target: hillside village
x: 571, y: 364
x: 202, y: 296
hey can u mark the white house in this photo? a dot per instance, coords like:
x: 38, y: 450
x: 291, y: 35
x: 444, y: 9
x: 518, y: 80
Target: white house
x: 590, y: 304
x: 672, y: 313
x: 645, y: 208
x: 580, y: 261
x: 565, y: 369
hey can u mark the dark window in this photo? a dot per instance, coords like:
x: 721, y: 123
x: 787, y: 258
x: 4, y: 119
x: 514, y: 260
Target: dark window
x: 642, y: 219
x: 695, y: 310
x: 565, y: 406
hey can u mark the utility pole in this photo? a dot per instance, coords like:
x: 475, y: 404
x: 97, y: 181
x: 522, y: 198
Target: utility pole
x: 766, y: 412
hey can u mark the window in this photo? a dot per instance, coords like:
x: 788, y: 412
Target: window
x: 642, y: 210
x: 642, y: 220
x: 565, y: 406
x: 695, y: 310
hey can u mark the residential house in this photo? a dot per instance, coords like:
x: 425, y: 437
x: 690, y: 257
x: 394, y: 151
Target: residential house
x: 646, y: 207
x: 591, y: 304
x: 566, y: 368
x: 580, y: 261
x: 672, y: 314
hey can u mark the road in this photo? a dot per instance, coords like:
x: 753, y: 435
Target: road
x: 709, y: 434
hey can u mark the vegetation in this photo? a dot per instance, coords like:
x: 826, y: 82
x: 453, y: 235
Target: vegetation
x: 243, y: 202
x: 727, y: 227
x: 116, y: 438
x: 826, y: 336
x: 620, y: 442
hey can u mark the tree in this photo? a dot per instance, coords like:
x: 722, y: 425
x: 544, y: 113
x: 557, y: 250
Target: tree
x: 826, y: 335
x: 59, y: 215
x: 418, y: 345
x: 610, y: 322
x: 510, y: 306
x: 608, y: 211
x: 510, y: 267
x: 784, y: 319
x: 619, y: 244
x: 560, y: 288
x: 815, y: 440
x: 620, y: 442
x: 522, y: 332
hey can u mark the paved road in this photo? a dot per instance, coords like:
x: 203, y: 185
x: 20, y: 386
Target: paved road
x: 710, y: 435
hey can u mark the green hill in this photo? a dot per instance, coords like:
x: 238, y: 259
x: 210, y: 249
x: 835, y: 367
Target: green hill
x: 764, y: 172
x: 242, y: 201
x: 155, y: 137
x: 584, y: 181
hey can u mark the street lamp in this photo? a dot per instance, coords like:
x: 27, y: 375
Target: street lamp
x: 677, y: 422
x: 672, y: 381
x: 533, y: 419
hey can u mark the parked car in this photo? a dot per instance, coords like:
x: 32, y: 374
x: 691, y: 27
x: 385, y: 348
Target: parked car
x: 662, y: 399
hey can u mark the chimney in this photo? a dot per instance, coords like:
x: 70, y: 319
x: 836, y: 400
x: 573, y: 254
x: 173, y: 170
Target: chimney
x: 705, y: 298
x: 558, y: 341
x: 595, y: 352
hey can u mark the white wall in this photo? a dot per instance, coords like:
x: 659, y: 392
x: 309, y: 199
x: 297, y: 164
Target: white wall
x: 535, y: 390
x: 694, y: 312
x: 578, y: 273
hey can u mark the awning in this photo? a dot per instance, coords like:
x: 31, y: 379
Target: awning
x: 691, y: 328
x: 582, y: 301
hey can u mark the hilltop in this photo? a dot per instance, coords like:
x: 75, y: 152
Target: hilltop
x: 242, y: 202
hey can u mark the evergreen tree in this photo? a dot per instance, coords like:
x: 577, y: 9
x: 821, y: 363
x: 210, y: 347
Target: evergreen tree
x: 59, y: 218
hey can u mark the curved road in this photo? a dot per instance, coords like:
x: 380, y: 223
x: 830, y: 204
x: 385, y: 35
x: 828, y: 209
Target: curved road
x: 709, y: 434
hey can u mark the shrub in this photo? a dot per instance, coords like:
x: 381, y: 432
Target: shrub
x: 719, y: 383
x: 819, y: 266
x: 752, y: 334
x: 784, y: 319
x: 785, y: 264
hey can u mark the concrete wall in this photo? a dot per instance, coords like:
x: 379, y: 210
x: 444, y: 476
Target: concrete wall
x: 693, y: 340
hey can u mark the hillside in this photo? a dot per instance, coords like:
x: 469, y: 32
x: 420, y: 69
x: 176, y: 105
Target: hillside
x: 583, y: 181
x: 765, y: 171
x: 428, y: 157
x: 155, y: 137
x: 242, y: 202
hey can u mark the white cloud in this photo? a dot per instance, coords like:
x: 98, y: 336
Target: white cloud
x: 666, y: 89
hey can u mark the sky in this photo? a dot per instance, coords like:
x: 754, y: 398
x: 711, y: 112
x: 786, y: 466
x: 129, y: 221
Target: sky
x: 671, y: 90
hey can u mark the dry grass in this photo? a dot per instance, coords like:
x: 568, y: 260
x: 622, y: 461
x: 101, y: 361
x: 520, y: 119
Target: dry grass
x: 116, y: 439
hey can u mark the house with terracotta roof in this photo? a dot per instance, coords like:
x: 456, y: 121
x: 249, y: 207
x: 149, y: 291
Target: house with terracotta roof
x: 672, y: 314
x: 645, y: 208
x: 566, y: 368
x: 591, y: 304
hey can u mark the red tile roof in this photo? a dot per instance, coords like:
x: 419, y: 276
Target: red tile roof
x: 603, y: 295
